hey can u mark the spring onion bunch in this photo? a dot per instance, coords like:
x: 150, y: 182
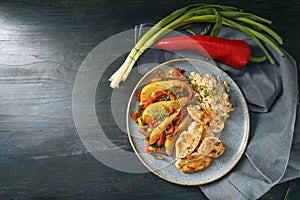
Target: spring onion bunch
x: 252, y: 25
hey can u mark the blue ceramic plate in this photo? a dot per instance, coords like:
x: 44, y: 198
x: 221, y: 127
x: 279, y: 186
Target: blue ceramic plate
x: 234, y: 136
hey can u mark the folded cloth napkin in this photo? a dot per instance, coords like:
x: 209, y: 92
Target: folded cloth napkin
x: 271, y: 92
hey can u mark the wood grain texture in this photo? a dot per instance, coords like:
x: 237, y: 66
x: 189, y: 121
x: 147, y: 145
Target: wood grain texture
x: 42, y: 45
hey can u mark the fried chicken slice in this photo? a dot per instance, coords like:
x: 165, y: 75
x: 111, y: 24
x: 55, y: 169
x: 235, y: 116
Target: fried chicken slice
x: 193, y: 163
x: 211, y: 147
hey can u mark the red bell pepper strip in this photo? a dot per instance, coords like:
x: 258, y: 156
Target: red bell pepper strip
x: 149, y: 122
x: 161, y: 140
x: 144, y: 132
x: 171, y: 110
x: 235, y: 53
x: 179, y: 116
x: 177, y: 74
x: 133, y: 115
x: 171, y: 129
x: 148, y: 102
x: 138, y: 96
x: 156, y: 123
x: 158, y: 95
x: 168, y: 137
x: 172, y: 96
x: 159, y: 75
x: 161, y: 151
x: 147, y: 146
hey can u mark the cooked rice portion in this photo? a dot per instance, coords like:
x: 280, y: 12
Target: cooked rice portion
x: 212, y: 93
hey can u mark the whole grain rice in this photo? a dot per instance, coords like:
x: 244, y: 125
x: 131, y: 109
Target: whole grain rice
x: 212, y: 93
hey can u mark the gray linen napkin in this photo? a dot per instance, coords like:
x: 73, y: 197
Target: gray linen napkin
x: 271, y: 92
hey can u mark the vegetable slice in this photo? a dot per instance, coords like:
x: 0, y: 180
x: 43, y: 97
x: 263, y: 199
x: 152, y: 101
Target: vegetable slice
x: 157, y: 87
x: 161, y: 108
x: 235, y: 53
x: 162, y: 127
x: 201, y: 13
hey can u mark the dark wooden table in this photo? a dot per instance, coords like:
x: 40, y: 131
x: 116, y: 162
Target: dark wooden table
x: 42, y: 45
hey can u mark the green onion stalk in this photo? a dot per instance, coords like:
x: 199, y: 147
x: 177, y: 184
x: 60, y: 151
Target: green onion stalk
x: 217, y: 15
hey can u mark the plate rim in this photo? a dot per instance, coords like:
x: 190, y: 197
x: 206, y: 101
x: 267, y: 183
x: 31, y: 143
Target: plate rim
x: 247, y: 123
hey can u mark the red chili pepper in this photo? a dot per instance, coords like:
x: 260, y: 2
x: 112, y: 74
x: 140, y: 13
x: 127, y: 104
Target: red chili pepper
x: 235, y: 53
